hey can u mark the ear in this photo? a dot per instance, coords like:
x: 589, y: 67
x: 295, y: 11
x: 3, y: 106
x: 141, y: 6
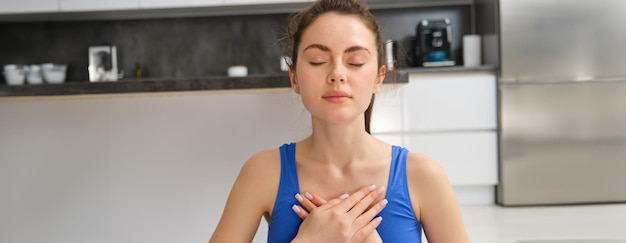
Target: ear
x: 380, y: 78
x: 293, y: 81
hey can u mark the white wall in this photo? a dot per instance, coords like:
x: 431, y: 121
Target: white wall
x: 132, y: 169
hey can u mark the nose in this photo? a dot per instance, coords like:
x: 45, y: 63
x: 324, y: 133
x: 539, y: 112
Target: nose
x: 336, y: 75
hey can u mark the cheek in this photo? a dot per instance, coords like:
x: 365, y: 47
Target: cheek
x: 367, y: 80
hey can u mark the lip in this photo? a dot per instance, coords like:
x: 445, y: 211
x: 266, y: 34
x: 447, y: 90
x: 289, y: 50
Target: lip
x: 336, y: 93
x: 336, y: 96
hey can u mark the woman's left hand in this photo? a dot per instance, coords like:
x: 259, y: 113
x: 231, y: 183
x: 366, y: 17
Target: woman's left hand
x: 310, y: 201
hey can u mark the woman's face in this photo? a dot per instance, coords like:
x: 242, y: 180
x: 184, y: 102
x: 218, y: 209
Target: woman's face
x: 337, y: 71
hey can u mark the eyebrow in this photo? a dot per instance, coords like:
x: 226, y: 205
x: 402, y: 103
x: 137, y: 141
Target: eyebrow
x: 326, y: 49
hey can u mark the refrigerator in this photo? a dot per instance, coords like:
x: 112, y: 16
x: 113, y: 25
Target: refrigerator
x: 562, y: 98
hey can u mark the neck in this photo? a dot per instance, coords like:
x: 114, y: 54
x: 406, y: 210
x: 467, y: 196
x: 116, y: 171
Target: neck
x: 338, y: 144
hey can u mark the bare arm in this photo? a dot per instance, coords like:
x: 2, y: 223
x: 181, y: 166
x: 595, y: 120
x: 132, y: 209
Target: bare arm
x: 433, y: 197
x: 249, y: 199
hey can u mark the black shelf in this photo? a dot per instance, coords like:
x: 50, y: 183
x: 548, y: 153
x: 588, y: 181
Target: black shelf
x: 146, y: 86
x: 256, y: 82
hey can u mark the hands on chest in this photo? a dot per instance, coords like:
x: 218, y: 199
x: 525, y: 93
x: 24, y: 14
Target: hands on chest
x: 349, y: 218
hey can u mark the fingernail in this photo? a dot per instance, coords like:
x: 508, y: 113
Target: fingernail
x: 372, y: 187
x: 381, y: 189
x: 308, y: 195
x: 299, y: 197
x: 379, y: 218
x: 344, y: 196
x: 384, y: 202
x: 295, y: 208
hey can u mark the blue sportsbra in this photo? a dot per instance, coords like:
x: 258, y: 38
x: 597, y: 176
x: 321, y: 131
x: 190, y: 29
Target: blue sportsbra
x: 399, y: 222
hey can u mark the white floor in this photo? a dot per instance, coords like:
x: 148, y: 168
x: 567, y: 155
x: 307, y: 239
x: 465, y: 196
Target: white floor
x: 496, y: 224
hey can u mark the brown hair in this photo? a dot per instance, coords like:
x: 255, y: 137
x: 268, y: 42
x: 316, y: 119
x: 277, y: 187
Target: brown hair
x: 298, y: 22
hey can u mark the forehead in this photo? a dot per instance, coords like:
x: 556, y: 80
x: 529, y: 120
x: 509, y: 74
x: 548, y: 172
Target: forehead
x: 339, y: 31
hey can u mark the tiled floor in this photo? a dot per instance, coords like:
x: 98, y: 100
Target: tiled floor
x: 495, y: 224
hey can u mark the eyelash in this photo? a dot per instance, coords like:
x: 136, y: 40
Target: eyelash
x: 352, y: 64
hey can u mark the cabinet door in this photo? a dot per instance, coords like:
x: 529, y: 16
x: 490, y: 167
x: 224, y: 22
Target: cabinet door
x: 252, y: 2
x: 28, y: 6
x: 468, y: 158
x: 443, y: 102
x: 387, y: 115
x: 178, y: 3
x: 93, y: 5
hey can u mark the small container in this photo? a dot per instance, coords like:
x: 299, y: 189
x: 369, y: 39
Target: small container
x: 14, y: 74
x: 33, y: 75
x: 138, y: 72
x: 472, y: 50
x: 285, y: 61
x: 237, y: 71
x: 53, y: 73
x: 391, y: 55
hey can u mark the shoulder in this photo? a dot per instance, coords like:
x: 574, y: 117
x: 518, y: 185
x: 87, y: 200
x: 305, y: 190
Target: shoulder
x: 423, y: 168
x: 251, y: 197
x: 428, y: 182
x: 263, y: 167
x: 434, y: 200
x: 263, y: 159
x: 258, y: 179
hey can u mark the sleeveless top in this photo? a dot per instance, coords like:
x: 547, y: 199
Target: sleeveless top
x: 399, y: 222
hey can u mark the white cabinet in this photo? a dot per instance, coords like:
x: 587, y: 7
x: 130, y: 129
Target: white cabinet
x: 457, y: 101
x: 252, y: 2
x: 178, y: 3
x: 97, y: 5
x: 451, y: 117
x: 469, y: 158
x: 28, y: 6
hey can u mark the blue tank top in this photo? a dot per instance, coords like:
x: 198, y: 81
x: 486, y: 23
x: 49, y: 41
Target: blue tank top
x: 399, y: 221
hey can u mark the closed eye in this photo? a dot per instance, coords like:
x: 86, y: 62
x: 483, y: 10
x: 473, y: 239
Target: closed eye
x: 316, y: 63
x: 357, y: 64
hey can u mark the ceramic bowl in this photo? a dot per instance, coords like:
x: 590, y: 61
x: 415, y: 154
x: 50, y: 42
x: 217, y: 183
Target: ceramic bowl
x: 53, y: 73
x: 14, y: 76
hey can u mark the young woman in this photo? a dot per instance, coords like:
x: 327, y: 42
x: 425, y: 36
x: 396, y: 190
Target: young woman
x: 336, y: 69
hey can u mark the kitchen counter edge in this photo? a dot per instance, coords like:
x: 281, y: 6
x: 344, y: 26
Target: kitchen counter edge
x: 255, y: 82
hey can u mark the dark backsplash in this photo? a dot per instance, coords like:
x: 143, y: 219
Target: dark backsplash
x: 190, y: 47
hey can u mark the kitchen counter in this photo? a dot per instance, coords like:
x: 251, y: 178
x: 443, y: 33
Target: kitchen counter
x: 182, y: 85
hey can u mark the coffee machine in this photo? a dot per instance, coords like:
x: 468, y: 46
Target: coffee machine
x: 433, y: 43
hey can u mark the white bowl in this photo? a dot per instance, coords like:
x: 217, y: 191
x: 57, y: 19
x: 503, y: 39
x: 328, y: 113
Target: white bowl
x: 34, y: 79
x: 33, y: 75
x: 14, y: 76
x: 53, y: 73
x: 237, y: 71
x: 10, y: 67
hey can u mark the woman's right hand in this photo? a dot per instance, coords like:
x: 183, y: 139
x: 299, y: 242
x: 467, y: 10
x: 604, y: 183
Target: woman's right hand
x: 346, y: 219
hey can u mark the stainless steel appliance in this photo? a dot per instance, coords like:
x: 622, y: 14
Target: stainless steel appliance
x: 563, y: 102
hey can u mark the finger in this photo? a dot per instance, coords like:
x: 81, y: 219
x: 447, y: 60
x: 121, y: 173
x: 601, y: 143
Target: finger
x: 367, y: 230
x: 366, y: 217
x: 334, y: 202
x: 353, y: 199
x: 305, y: 202
x: 315, y: 199
x: 366, y: 202
x: 299, y: 211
